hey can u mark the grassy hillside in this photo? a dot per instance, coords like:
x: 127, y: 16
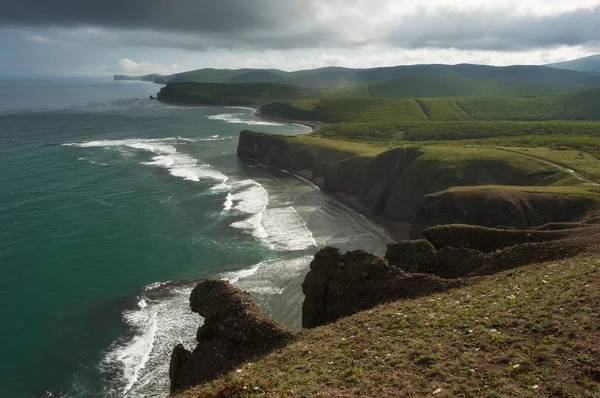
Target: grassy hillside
x: 579, y: 105
x: 336, y: 76
x: 233, y: 94
x: 347, y: 110
x: 582, y: 105
x: 528, y: 332
x: 425, y: 86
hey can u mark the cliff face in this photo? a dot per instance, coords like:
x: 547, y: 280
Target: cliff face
x: 396, y: 184
x: 339, y: 285
x: 492, y: 208
x: 234, y: 330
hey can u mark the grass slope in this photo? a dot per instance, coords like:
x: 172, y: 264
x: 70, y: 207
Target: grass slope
x: 336, y: 76
x: 579, y: 105
x: 527, y: 332
x: 233, y: 94
x: 425, y: 86
x: 582, y: 105
x: 348, y: 110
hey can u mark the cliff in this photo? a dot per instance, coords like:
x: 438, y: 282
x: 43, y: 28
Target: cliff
x: 234, y: 330
x: 411, y: 185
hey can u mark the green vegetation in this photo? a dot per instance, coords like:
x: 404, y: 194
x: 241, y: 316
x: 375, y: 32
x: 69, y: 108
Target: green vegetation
x: 425, y: 86
x: 447, y: 131
x: 336, y: 76
x: 442, y: 109
x: 527, y: 332
x: 582, y: 105
x: 348, y: 110
x: 233, y: 94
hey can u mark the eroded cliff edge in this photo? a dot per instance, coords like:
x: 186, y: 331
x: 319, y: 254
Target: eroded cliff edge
x: 407, y: 185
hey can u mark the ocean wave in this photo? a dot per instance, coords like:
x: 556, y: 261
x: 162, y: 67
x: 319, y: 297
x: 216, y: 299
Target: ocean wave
x: 135, y: 363
x: 243, y: 118
x: 270, y: 277
x: 178, y: 164
x: 286, y: 231
x: 279, y: 228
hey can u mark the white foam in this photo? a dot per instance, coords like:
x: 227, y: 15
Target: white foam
x: 179, y: 164
x: 303, y: 179
x: 228, y: 202
x: 286, y: 230
x: 268, y: 277
x: 250, y: 197
x: 137, y: 362
x: 243, y: 118
x: 161, y: 160
x: 233, y: 277
x: 280, y: 228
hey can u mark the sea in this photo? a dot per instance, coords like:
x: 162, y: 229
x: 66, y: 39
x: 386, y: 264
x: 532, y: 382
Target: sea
x: 112, y: 207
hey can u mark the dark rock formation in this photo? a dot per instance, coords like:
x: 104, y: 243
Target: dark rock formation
x: 410, y: 256
x: 456, y: 262
x: 234, y: 330
x: 493, y: 208
x: 467, y: 251
x: 488, y: 240
x: 152, y: 97
x: 339, y: 285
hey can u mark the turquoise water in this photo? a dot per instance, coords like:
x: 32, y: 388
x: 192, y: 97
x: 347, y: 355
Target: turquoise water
x: 112, y: 207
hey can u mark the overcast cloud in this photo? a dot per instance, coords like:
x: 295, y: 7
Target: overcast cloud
x: 207, y: 27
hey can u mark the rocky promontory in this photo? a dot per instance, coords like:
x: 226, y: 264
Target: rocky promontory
x: 234, y: 330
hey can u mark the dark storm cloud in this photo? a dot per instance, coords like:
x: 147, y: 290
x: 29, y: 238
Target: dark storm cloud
x: 488, y: 30
x: 279, y: 24
x: 179, y: 15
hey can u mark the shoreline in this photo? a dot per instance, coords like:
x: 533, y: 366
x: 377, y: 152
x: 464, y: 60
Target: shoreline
x: 314, y: 126
x: 397, y: 231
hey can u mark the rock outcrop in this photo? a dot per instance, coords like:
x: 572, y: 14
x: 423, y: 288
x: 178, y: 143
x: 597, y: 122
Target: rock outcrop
x: 495, y: 208
x: 339, y: 285
x: 457, y: 251
x: 411, y: 255
x: 234, y: 330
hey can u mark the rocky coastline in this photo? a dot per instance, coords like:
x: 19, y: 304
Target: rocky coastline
x: 451, y: 248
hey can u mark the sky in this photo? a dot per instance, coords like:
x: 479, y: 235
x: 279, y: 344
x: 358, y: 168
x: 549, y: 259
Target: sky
x: 100, y: 38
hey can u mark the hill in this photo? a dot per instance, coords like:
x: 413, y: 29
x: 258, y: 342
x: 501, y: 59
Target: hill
x: 233, y: 94
x: 423, y: 85
x: 579, y: 105
x: 146, y: 78
x: 337, y: 76
x: 585, y: 64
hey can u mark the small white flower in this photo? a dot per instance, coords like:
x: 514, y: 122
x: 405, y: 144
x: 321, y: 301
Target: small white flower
x: 439, y: 390
x: 535, y: 387
x: 515, y: 366
x: 238, y: 371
